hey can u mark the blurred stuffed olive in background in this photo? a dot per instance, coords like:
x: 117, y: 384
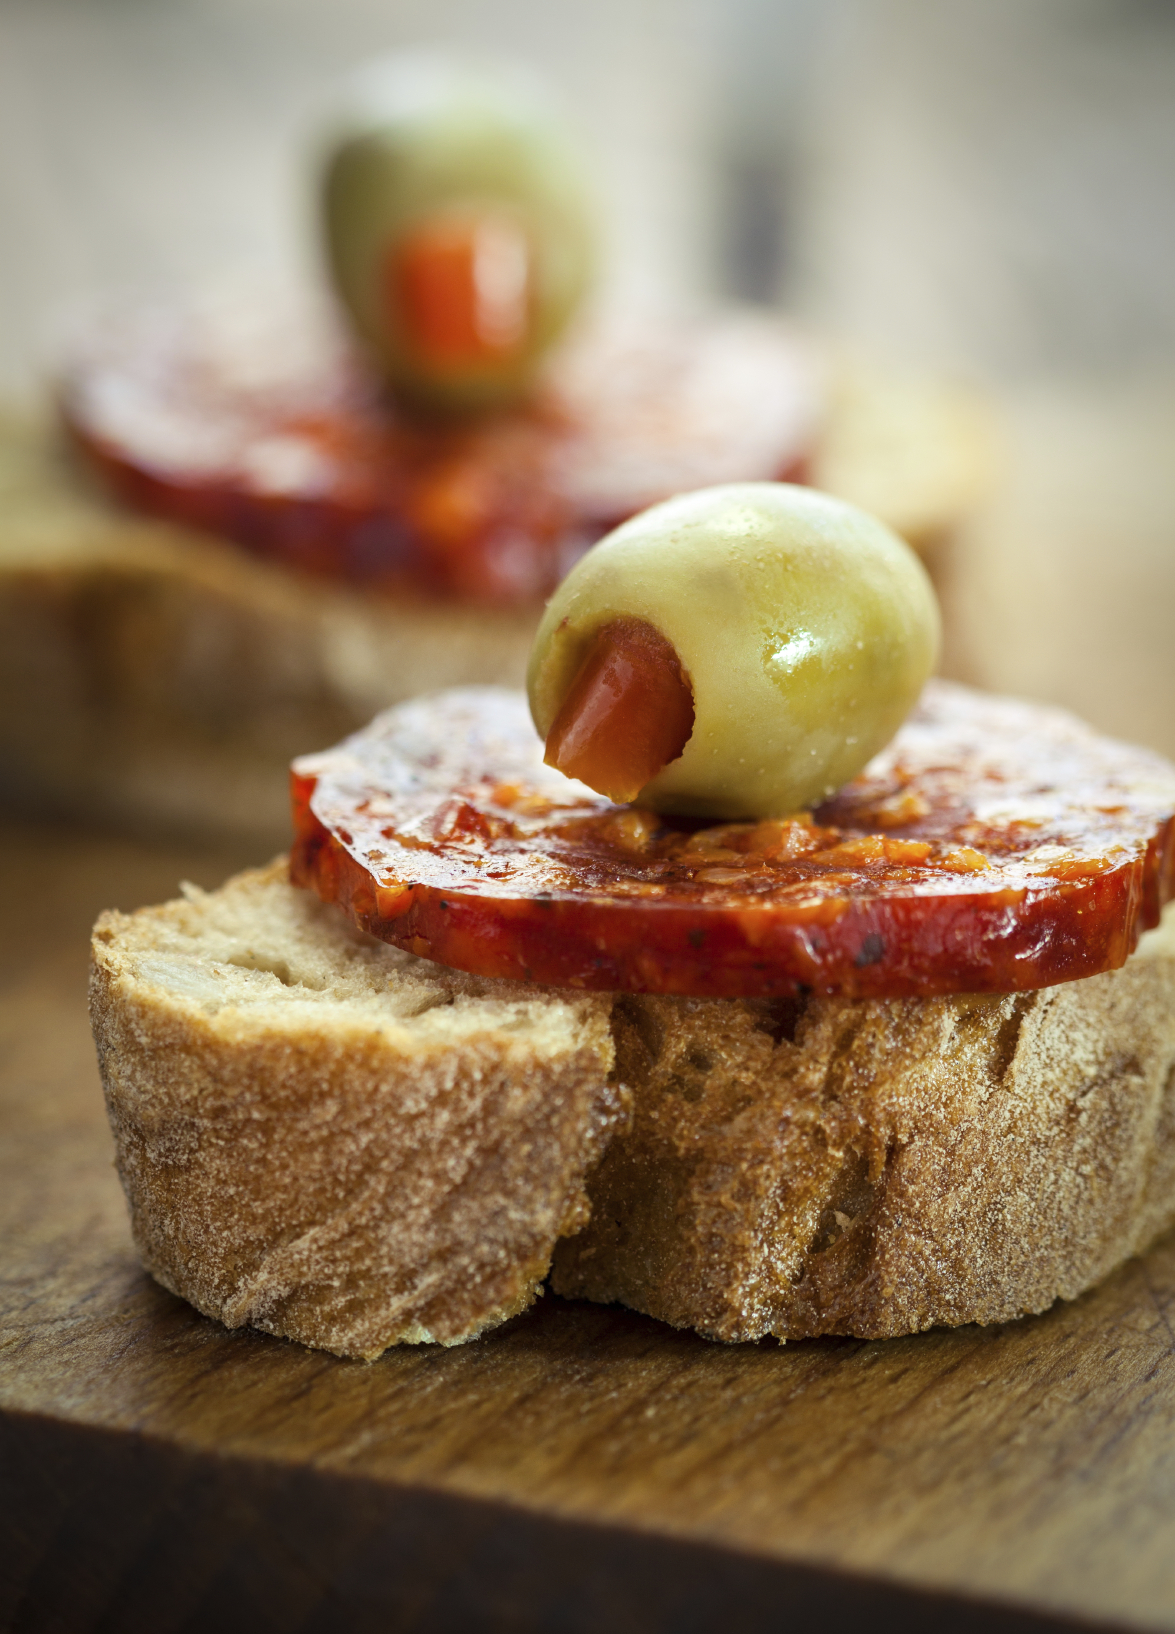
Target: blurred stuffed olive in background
x: 459, y: 227
x: 741, y: 651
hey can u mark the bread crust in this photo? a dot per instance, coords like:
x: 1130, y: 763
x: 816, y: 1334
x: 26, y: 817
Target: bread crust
x: 387, y: 1162
x: 333, y: 1140
x: 878, y: 1167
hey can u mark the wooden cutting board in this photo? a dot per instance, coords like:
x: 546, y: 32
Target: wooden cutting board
x: 581, y: 1469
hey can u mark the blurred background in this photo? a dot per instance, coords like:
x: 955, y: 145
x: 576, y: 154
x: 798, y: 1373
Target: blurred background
x: 981, y: 189
x: 981, y: 185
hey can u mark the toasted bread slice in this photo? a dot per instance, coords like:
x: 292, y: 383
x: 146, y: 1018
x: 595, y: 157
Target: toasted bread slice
x: 160, y: 679
x: 876, y: 1167
x: 333, y: 1140
x: 919, y: 453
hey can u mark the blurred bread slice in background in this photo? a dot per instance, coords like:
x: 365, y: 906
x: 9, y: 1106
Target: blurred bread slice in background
x: 920, y: 453
x: 156, y: 678
x: 160, y: 679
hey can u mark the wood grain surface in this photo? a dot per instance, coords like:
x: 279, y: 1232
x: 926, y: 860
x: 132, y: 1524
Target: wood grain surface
x: 582, y: 1468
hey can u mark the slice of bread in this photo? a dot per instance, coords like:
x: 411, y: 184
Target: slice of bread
x: 329, y: 1139
x: 161, y: 679
x: 333, y: 1140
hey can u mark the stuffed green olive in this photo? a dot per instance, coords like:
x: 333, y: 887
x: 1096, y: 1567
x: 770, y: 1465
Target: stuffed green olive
x: 458, y: 226
x: 741, y: 651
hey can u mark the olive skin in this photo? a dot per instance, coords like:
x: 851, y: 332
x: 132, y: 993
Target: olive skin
x: 421, y: 140
x: 806, y: 627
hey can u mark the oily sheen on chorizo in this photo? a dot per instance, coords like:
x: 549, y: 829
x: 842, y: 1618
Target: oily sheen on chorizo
x: 995, y: 846
x: 258, y: 421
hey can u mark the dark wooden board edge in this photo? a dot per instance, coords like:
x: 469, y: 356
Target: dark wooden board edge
x: 122, y: 1533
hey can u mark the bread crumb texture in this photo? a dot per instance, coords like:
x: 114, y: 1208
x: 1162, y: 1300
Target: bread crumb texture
x: 877, y: 1167
x: 327, y: 1138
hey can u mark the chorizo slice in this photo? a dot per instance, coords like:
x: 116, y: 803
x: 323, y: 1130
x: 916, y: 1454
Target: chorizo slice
x: 258, y: 421
x: 994, y: 846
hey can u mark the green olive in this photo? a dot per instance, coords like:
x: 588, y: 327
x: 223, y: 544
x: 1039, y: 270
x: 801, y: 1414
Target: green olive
x: 805, y: 627
x: 459, y: 229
